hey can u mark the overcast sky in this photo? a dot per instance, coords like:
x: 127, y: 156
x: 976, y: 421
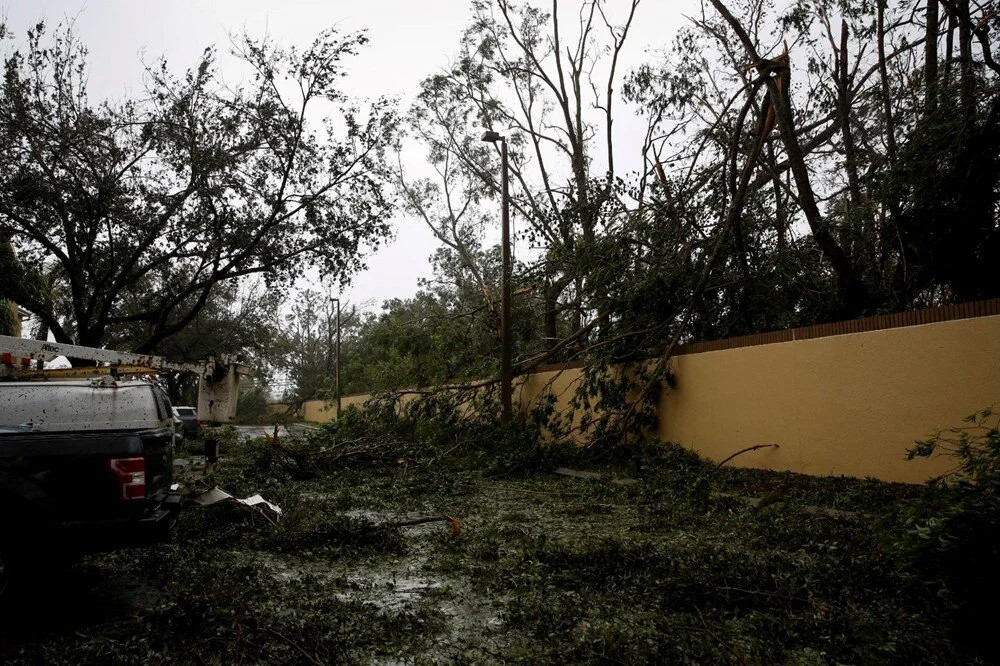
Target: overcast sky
x: 410, y: 39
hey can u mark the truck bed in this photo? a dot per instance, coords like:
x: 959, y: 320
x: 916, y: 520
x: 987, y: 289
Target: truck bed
x: 58, y: 486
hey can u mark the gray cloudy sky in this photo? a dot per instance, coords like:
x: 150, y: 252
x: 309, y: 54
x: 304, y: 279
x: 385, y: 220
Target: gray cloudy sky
x: 410, y: 39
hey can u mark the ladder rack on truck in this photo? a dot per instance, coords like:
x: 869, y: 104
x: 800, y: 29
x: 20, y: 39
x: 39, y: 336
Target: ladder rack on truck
x: 218, y: 377
x: 88, y: 465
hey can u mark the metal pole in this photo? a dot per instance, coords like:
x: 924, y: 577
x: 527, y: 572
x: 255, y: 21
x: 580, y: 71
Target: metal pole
x: 506, y: 363
x: 338, y: 359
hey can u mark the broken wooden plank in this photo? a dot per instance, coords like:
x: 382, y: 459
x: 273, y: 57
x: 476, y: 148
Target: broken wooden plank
x: 594, y: 476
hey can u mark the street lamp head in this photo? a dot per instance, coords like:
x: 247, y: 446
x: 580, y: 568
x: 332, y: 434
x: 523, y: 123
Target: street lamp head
x: 491, y: 137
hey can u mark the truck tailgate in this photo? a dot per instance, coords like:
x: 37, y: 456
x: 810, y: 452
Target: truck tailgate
x: 65, y: 476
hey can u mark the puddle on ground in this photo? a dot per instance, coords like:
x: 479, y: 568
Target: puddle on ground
x: 472, y: 622
x: 388, y: 585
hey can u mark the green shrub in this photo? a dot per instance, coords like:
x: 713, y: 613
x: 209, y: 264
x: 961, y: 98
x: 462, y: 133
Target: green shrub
x: 453, y: 430
x: 952, y: 537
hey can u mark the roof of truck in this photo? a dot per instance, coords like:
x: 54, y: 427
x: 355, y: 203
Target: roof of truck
x: 81, y: 405
x: 102, y: 382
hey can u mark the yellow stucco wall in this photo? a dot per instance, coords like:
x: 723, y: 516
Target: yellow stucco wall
x: 560, y: 383
x: 319, y: 411
x: 845, y: 404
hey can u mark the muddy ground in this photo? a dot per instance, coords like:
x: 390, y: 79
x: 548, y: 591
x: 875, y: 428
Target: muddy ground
x: 683, y: 563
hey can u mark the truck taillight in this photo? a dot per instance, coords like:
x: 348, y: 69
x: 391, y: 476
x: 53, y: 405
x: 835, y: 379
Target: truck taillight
x: 131, y: 473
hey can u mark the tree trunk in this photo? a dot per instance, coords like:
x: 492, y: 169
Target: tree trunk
x: 553, y: 290
x: 780, y: 218
x: 844, y: 111
x: 931, y: 57
x: 949, y: 46
x: 173, y: 388
x: 967, y: 82
x: 853, y: 291
x: 890, y: 124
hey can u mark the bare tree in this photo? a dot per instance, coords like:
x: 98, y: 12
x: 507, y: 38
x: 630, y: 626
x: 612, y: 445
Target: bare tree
x: 553, y: 89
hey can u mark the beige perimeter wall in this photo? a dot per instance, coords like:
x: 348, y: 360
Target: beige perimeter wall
x: 844, y: 405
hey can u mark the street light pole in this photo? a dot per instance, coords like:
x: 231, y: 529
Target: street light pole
x: 337, y: 374
x: 506, y: 342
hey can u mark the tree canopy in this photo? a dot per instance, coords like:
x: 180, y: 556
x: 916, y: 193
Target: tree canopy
x: 132, y: 214
x: 804, y: 161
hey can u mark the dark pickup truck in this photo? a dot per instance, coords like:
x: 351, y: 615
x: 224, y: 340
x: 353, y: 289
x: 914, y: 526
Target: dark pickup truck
x: 84, y: 466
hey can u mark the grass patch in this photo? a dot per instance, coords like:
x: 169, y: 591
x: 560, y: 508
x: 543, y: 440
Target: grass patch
x: 676, y: 567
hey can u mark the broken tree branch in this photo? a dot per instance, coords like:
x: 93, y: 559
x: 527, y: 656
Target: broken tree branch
x: 748, y: 449
x: 456, y: 524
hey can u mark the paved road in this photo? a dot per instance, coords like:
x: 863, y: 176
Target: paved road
x: 248, y: 432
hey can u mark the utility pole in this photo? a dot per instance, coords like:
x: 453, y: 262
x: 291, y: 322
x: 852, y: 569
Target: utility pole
x: 337, y: 359
x: 506, y: 343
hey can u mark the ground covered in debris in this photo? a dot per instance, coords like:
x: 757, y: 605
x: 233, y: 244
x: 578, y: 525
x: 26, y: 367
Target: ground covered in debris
x: 685, y: 563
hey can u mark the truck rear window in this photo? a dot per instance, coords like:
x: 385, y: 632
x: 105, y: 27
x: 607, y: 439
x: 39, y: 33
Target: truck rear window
x: 66, y: 406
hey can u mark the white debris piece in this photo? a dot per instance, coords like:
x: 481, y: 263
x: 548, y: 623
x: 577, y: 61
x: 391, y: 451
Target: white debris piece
x: 255, y: 500
x: 216, y: 495
x: 213, y: 496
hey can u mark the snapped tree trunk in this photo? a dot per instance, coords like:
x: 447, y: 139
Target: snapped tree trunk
x: 853, y: 291
x: 854, y: 295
